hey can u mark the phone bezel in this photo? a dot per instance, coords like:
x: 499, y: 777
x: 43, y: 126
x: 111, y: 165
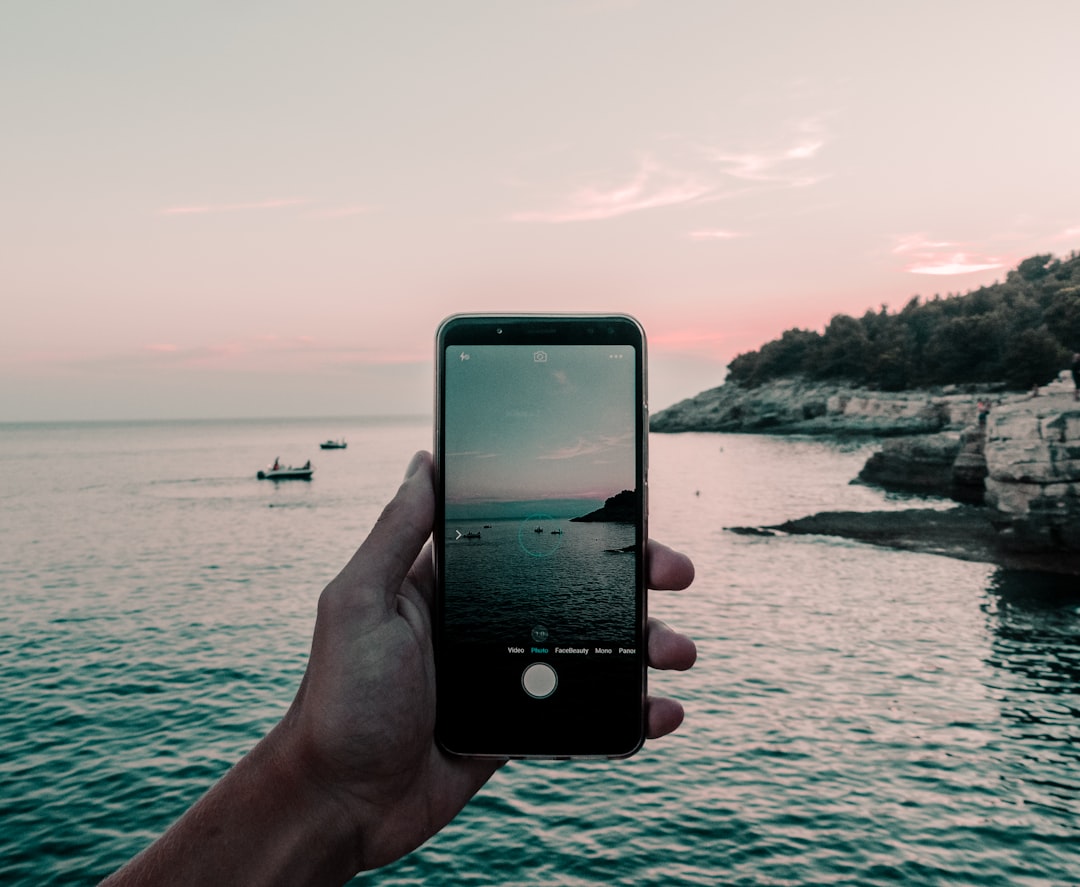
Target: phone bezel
x: 537, y: 330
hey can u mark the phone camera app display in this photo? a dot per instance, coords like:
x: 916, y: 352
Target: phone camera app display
x: 540, y: 547
x: 540, y: 495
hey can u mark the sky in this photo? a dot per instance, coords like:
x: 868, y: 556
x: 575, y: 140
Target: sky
x: 265, y: 208
x: 518, y: 428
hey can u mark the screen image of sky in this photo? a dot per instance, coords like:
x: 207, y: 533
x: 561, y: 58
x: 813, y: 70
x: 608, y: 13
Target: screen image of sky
x: 229, y: 210
x: 543, y: 431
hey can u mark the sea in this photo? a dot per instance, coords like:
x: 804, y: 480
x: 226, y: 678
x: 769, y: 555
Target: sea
x: 856, y: 716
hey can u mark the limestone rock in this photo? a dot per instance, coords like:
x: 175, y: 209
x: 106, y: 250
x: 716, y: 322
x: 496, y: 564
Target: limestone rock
x: 1033, y: 460
x: 797, y: 406
x: 923, y: 463
x: 969, y: 469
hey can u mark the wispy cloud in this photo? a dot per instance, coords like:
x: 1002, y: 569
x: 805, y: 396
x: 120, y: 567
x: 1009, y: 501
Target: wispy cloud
x: 957, y: 263
x: 651, y: 186
x: 681, y: 172
x: 941, y: 257
x: 343, y: 212
x: 714, y: 234
x: 586, y: 447
x: 919, y: 243
x: 311, y: 209
x: 257, y: 351
x: 206, y: 208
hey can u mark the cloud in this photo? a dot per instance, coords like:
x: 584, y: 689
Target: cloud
x: 941, y: 257
x: 650, y: 187
x: 251, y: 353
x: 586, y: 447
x: 714, y: 234
x: 958, y: 263
x: 206, y: 208
x: 343, y: 212
x: 918, y: 243
x: 681, y: 172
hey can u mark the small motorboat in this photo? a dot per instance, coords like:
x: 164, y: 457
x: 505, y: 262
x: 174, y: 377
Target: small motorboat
x: 461, y: 535
x: 333, y: 444
x: 277, y: 471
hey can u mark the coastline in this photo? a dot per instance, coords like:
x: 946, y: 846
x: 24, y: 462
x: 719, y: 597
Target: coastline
x: 965, y: 533
x: 1018, y: 467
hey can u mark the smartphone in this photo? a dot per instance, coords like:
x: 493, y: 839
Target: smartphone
x: 539, y: 535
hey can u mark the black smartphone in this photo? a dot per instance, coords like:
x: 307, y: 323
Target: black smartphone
x: 540, y: 533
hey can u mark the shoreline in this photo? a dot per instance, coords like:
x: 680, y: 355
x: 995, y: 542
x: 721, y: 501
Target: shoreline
x: 966, y: 532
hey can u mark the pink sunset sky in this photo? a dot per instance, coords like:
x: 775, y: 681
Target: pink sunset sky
x: 264, y: 209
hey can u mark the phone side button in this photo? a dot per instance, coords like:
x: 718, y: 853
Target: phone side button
x: 539, y: 680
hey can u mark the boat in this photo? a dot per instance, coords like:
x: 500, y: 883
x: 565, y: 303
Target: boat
x: 333, y: 444
x: 461, y: 535
x: 277, y: 471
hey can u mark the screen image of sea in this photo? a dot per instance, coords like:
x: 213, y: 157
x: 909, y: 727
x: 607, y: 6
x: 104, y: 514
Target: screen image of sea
x: 506, y: 578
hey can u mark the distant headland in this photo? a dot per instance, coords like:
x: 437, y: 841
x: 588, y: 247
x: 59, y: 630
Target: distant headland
x: 620, y: 508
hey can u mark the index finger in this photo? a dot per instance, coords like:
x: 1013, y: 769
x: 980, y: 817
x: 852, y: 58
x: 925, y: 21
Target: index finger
x: 669, y: 570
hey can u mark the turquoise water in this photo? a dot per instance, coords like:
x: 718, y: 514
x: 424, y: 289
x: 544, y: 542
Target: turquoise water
x: 857, y: 716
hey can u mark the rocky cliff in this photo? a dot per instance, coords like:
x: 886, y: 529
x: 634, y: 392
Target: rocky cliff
x: 796, y: 406
x: 1033, y: 473
x: 1024, y: 464
x: 620, y: 508
x: 945, y: 464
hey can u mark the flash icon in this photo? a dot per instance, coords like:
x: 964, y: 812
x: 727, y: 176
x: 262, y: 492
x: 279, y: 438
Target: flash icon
x: 464, y: 356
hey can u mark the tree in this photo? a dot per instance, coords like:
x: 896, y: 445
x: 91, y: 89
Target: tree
x: 1035, y: 268
x: 1034, y: 357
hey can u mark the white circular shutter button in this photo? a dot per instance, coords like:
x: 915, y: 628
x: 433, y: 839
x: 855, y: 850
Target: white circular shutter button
x: 539, y: 680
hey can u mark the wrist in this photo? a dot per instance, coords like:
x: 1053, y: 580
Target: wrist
x: 320, y: 834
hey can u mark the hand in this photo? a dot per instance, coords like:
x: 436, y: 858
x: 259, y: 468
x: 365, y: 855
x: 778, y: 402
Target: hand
x: 351, y: 777
x: 365, y: 712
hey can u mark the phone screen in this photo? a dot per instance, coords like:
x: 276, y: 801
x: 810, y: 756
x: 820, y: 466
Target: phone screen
x: 540, y: 536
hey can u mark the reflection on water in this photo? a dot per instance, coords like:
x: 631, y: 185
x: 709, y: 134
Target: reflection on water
x: 1035, y: 651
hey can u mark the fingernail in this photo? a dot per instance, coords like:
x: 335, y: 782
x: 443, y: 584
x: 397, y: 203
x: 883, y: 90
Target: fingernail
x: 414, y: 465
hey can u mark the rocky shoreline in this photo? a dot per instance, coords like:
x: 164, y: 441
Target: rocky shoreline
x: 797, y: 406
x: 966, y: 533
x: 1020, y: 468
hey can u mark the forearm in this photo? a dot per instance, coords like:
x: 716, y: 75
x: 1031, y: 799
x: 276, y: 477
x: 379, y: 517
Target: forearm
x: 261, y: 824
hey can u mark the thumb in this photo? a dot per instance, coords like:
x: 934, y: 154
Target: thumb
x: 376, y: 571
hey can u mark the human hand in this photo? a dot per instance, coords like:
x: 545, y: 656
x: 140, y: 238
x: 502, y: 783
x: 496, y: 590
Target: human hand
x: 351, y: 777
x: 362, y: 723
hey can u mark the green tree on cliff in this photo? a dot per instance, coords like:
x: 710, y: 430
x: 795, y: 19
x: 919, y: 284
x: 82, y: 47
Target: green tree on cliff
x: 1019, y: 332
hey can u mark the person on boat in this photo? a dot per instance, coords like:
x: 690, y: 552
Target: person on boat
x: 307, y: 465
x: 276, y: 464
x: 350, y: 778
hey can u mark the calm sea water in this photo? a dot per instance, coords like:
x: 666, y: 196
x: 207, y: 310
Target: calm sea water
x: 576, y: 582
x: 857, y: 716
